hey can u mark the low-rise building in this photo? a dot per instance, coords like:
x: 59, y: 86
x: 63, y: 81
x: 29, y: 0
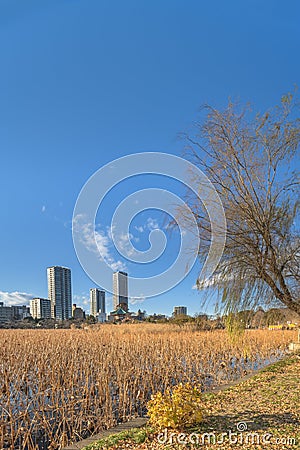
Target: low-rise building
x: 21, y: 312
x: 77, y: 312
x: 118, y: 315
x: 101, y: 317
x: 6, y: 313
x: 140, y: 315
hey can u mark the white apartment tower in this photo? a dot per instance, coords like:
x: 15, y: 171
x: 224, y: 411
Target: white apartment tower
x: 40, y: 308
x: 59, y: 292
x: 120, y: 290
x: 97, y: 302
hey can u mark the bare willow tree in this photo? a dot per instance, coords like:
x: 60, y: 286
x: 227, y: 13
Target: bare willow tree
x: 252, y: 162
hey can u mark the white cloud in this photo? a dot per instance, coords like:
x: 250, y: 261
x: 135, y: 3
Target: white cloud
x: 43, y: 208
x: 152, y: 224
x: 80, y: 298
x: 123, y: 239
x: 136, y: 300
x: 118, y: 265
x: 124, y: 243
x: 139, y: 229
x: 15, y: 298
x: 97, y: 241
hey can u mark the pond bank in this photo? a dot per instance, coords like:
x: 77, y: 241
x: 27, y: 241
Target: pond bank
x: 265, y: 406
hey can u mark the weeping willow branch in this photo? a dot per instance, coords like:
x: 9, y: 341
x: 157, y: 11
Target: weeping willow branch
x: 251, y: 162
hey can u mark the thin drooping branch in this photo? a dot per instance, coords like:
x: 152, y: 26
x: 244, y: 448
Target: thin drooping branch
x: 249, y: 162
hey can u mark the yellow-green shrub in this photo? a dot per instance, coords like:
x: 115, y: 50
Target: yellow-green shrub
x: 176, y: 409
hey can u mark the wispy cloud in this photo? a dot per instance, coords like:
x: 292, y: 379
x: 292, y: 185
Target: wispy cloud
x: 152, y: 224
x: 43, y: 208
x: 82, y: 299
x: 118, y: 265
x: 124, y: 243
x: 15, y: 298
x: 97, y: 241
x: 101, y: 241
x: 136, y: 300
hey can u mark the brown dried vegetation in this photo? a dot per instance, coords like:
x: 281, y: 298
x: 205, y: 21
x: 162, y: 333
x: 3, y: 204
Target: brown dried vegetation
x: 57, y: 386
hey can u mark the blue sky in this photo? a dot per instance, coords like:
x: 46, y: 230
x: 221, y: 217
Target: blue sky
x: 85, y: 82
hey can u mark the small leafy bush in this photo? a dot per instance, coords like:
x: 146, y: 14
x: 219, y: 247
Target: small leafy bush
x: 177, y: 409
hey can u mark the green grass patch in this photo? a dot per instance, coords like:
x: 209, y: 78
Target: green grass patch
x: 280, y: 365
x: 136, y: 435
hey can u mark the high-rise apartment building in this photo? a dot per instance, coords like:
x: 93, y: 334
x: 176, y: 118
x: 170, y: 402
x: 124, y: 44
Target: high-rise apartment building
x: 180, y: 310
x: 97, y: 302
x: 40, y: 308
x: 59, y: 292
x: 120, y: 290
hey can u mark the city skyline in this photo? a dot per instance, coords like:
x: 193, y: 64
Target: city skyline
x: 57, y: 305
